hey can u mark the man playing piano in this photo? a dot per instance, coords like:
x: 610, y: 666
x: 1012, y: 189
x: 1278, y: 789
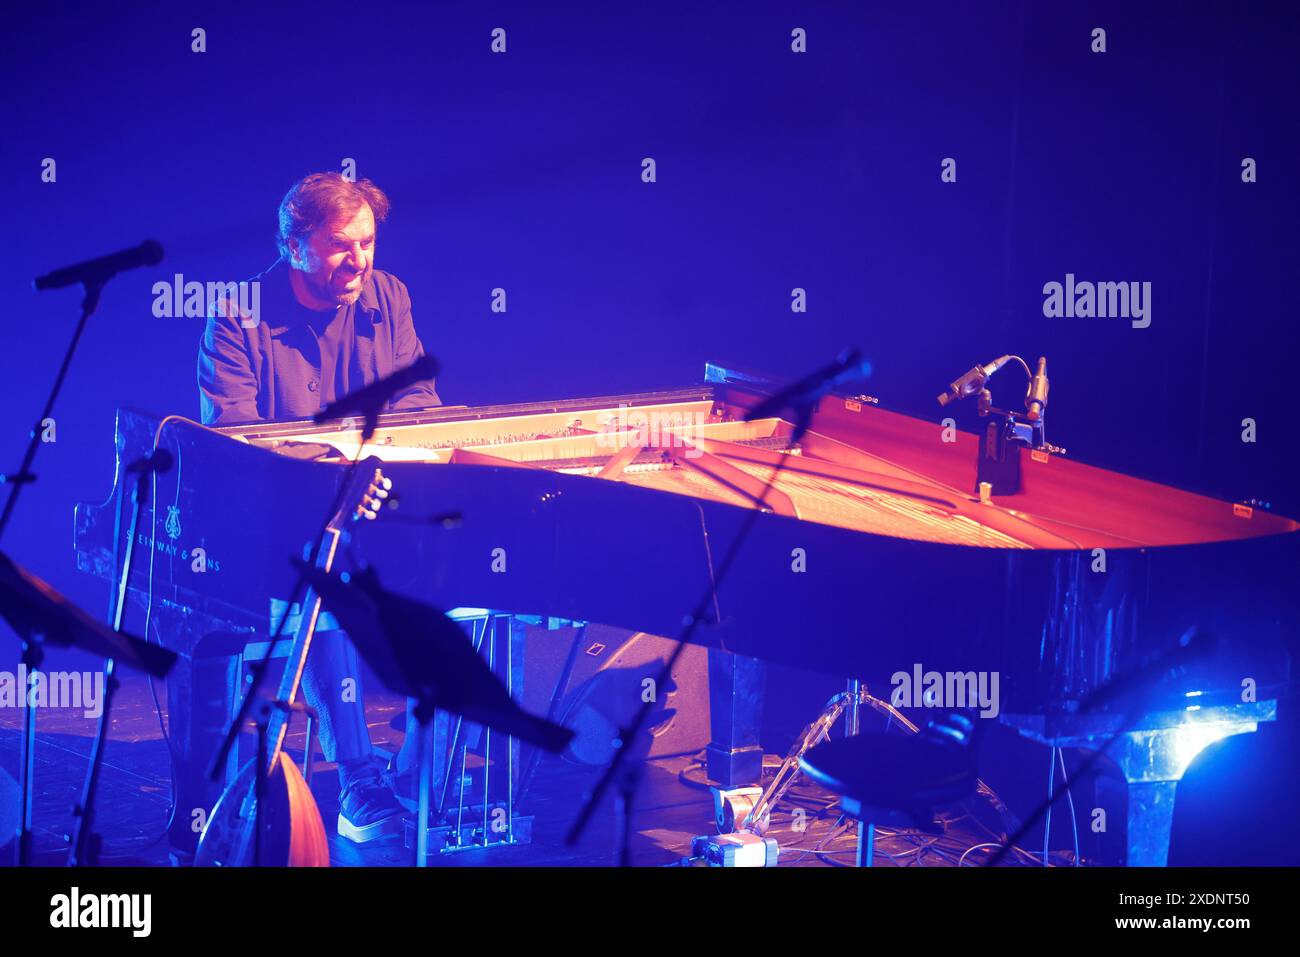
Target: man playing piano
x: 328, y: 323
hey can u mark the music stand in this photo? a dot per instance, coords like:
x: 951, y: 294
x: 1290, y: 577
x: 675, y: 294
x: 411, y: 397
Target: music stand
x: 417, y: 651
x: 41, y: 615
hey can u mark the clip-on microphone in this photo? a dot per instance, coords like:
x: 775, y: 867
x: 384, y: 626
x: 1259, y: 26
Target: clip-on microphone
x: 1006, y: 431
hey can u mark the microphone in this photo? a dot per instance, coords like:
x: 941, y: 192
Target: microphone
x: 1036, y: 403
x: 369, y: 400
x: 849, y: 368
x: 97, y: 271
x: 972, y: 381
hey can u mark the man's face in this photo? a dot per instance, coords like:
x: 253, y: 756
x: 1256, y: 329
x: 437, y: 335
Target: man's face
x: 335, y: 261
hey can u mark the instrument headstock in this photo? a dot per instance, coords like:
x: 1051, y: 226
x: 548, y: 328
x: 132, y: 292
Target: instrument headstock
x: 369, y: 491
x: 374, y: 497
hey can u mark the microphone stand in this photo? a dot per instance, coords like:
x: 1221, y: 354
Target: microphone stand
x: 260, y: 667
x: 23, y: 476
x: 628, y: 776
x: 84, y: 842
x: 32, y: 656
x: 31, y: 653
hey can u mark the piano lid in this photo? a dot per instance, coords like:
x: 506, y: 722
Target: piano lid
x: 859, y: 467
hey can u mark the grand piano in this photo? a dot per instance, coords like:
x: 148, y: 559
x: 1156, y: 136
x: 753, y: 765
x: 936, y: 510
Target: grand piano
x: 875, y: 553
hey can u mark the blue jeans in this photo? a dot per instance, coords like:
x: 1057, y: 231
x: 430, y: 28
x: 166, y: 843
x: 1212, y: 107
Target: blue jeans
x: 331, y: 683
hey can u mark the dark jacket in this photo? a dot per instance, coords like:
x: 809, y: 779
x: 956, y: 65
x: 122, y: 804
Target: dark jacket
x: 270, y: 371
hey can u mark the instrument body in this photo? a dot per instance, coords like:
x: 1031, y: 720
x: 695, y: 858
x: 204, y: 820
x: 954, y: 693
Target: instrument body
x: 293, y: 833
x: 877, y: 555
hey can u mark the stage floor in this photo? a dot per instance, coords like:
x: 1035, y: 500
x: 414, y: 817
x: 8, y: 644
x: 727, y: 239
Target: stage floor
x: 135, y: 799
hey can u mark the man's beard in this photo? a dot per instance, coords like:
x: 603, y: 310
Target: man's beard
x: 327, y: 292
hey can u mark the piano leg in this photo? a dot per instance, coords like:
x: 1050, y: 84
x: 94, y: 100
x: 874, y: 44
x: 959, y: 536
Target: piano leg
x: 1150, y: 820
x: 734, y: 757
x: 1152, y: 756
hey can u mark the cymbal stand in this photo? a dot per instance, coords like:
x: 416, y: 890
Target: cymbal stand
x: 813, y: 734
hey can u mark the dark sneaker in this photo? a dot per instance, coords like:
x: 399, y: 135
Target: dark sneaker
x: 368, y: 809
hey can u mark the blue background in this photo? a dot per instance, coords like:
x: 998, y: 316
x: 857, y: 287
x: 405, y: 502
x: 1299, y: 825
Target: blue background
x: 775, y: 170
